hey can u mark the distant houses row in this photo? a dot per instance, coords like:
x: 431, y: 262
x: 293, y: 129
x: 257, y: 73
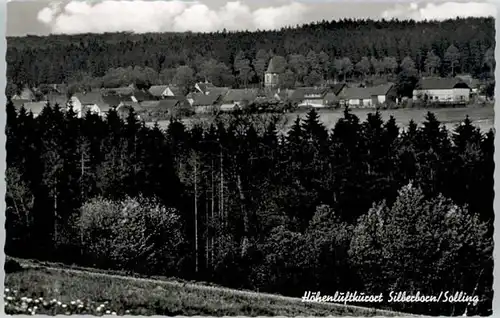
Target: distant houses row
x: 161, y: 100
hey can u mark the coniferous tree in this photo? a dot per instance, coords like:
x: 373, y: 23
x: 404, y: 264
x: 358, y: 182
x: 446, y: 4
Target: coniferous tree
x: 11, y: 134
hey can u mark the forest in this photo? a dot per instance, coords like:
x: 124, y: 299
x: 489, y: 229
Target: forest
x: 366, y: 206
x: 311, y: 53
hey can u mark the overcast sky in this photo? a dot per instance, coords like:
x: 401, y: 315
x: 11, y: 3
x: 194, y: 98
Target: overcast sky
x: 79, y: 16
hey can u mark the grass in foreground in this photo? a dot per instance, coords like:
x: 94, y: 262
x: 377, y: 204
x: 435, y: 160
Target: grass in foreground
x: 51, y: 292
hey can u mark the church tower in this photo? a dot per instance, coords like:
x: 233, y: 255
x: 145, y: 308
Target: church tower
x: 272, y: 75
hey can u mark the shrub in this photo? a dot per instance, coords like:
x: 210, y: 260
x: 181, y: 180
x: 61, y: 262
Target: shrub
x: 136, y: 234
x: 421, y: 244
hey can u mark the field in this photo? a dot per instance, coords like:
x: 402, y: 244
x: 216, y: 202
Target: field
x: 482, y: 116
x: 65, y: 290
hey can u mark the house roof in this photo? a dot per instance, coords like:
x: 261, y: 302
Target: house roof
x: 26, y: 93
x: 131, y: 103
x: 240, y: 95
x: 218, y: 90
x: 93, y: 98
x: 337, y: 88
x: 150, y: 103
x: 168, y: 103
x: 205, y: 100
x: 366, y: 92
x: 89, y: 98
x: 176, y: 90
x: 472, y: 82
x: 19, y: 103
x: 331, y: 97
x: 115, y: 100
x: 273, y: 66
x: 127, y: 106
x: 302, y: 92
x: 271, y: 95
x: 141, y: 95
x: 205, y: 86
x: 35, y: 107
x: 157, y: 90
x: 59, y: 99
x: 464, y: 77
x: 441, y: 83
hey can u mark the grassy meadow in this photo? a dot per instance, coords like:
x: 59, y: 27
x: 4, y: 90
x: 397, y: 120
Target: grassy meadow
x: 481, y: 116
x: 51, y: 291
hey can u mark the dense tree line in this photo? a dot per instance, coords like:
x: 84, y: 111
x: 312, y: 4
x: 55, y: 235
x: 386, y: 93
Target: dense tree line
x: 313, y: 52
x: 367, y: 206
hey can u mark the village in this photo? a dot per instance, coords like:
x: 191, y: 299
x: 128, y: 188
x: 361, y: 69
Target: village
x: 160, y: 102
x: 214, y: 158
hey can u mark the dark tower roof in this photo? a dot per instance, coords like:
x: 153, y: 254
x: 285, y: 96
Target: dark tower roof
x: 274, y: 67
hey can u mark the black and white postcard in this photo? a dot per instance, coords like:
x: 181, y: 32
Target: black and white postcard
x: 249, y: 158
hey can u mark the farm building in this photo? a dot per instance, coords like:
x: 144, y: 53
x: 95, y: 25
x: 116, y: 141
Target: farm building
x: 473, y: 83
x: 149, y: 105
x: 163, y: 91
x: 25, y: 94
x: 368, y: 96
x: 267, y: 96
x: 206, y: 103
x: 89, y: 101
x: 337, y: 88
x: 34, y: 107
x: 55, y: 98
x: 141, y: 95
x: 218, y: 90
x: 19, y: 103
x: 238, y: 98
x: 442, y: 90
x: 125, y: 108
x: 310, y: 96
x: 209, y: 88
x: 116, y: 100
x: 161, y: 109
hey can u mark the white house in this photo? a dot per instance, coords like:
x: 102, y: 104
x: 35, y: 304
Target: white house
x: 162, y: 91
x: 442, y: 90
x: 310, y: 97
x: 368, y: 96
x: 91, y: 101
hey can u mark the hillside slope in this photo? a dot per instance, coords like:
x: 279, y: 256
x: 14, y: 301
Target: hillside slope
x: 30, y: 59
x: 147, y: 296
